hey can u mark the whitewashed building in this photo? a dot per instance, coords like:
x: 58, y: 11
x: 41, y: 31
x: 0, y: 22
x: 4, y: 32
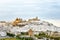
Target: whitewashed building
x: 2, y: 33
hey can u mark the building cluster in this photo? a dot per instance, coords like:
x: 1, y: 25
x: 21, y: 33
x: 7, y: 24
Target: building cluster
x: 14, y: 27
x: 32, y: 26
x: 21, y: 22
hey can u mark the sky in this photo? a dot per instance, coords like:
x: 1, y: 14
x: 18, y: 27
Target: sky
x: 45, y: 9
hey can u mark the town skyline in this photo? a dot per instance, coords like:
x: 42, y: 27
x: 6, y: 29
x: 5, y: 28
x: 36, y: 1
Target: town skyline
x: 45, y: 9
x: 29, y: 19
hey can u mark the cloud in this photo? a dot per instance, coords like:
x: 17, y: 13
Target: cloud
x: 26, y: 8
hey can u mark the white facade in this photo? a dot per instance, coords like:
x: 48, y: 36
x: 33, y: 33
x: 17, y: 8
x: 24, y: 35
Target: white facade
x: 2, y: 33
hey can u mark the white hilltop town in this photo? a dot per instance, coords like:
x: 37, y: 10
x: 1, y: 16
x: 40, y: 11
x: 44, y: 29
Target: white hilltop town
x: 32, y: 26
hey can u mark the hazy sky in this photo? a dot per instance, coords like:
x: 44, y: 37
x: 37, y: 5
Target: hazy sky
x: 45, y: 9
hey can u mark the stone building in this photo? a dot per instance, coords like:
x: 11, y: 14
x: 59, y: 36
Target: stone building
x: 30, y: 32
x: 17, y: 20
x: 34, y: 19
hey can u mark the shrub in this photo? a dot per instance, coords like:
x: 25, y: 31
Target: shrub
x: 11, y: 35
x: 24, y: 33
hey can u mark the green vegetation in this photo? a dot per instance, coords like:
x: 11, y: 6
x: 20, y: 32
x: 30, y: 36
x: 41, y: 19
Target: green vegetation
x: 9, y: 39
x: 26, y: 38
x: 11, y: 35
x: 21, y: 38
x: 55, y: 38
x: 24, y: 33
x: 41, y: 35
